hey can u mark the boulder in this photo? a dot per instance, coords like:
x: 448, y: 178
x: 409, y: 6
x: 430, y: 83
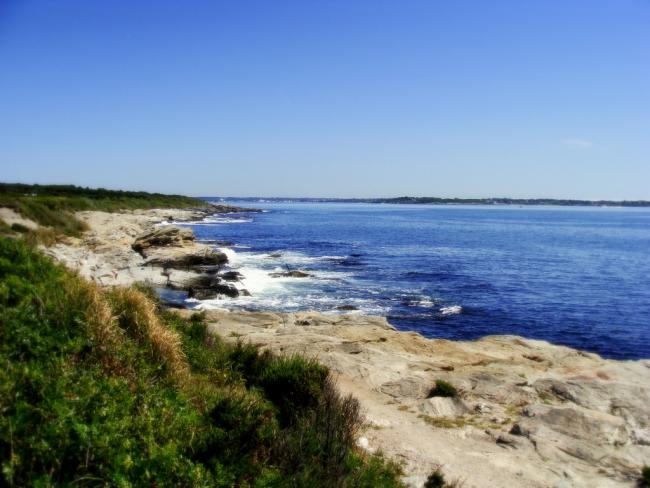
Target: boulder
x: 205, y: 287
x: 231, y: 276
x: 196, y: 260
x: 168, y: 236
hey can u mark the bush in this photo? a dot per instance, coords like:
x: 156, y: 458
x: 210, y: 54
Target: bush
x: 443, y: 389
x: 435, y: 480
x: 645, y: 477
x: 16, y: 227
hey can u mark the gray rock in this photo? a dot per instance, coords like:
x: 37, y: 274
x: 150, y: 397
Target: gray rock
x: 443, y: 407
x: 556, y: 388
x: 205, y: 287
x: 508, y: 440
x: 412, y: 387
x: 290, y: 274
x: 196, y: 260
x: 595, y: 427
x: 167, y: 236
x: 231, y: 276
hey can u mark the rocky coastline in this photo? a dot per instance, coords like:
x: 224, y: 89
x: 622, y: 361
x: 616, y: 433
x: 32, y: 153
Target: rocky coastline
x: 521, y: 413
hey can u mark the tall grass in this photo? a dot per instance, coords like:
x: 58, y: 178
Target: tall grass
x: 103, y: 387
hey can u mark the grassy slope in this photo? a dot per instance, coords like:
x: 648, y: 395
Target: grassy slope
x: 102, y: 387
x: 54, y: 205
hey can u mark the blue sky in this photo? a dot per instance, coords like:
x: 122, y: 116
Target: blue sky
x: 329, y: 98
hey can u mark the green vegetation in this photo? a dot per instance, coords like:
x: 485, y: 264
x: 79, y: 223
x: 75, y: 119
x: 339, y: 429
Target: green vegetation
x: 54, y: 205
x: 645, y: 477
x: 104, y: 387
x: 443, y: 389
x: 447, y: 422
x: 435, y: 480
x: 20, y: 228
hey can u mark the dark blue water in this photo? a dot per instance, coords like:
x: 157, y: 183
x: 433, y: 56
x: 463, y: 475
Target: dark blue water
x: 574, y: 276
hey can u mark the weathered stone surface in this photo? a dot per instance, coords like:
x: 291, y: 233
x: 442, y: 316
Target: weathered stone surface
x: 196, y: 260
x: 206, y: 287
x: 595, y: 427
x: 570, y: 420
x: 163, y: 237
x: 105, y: 252
x: 410, y: 387
x: 231, y: 276
x: 213, y: 292
x: 443, y: 407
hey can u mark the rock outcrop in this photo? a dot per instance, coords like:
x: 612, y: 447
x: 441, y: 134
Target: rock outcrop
x: 168, y: 236
x: 290, y: 274
x: 121, y: 249
x: 200, y: 260
x: 206, y: 287
x: 565, y: 418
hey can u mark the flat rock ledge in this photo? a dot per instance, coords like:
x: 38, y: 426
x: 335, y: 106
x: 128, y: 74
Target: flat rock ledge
x: 528, y: 413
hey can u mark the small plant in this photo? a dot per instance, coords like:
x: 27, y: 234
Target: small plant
x: 645, y: 477
x: 435, y: 480
x: 443, y: 389
x: 16, y: 227
x: 447, y: 422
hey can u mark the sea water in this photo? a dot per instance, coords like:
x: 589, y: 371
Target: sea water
x: 578, y: 276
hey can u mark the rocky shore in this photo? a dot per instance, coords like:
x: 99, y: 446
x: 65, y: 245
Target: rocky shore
x: 519, y: 413
x: 144, y: 246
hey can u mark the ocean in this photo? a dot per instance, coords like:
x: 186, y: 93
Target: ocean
x: 570, y: 275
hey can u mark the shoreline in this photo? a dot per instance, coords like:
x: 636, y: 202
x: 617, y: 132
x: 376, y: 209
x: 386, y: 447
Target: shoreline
x: 529, y: 413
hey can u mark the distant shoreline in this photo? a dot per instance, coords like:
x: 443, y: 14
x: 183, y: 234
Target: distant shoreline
x: 445, y: 201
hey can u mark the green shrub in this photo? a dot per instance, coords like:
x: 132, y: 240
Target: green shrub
x: 16, y: 227
x: 443, y: 389
x: 435, y: 480
x: 645, y: 477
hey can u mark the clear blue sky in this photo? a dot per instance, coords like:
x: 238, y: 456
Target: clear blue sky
x: 329, y: 98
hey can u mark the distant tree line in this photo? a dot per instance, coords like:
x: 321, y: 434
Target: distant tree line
x: 461, y: 201
x: 77, y: 191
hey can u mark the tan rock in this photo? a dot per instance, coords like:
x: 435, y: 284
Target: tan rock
x: 518, y: 422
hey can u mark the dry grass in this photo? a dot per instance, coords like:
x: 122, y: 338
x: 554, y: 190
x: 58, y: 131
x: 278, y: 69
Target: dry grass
x: 138, y: 314
x: 101, y: 321
x: 445, y: 422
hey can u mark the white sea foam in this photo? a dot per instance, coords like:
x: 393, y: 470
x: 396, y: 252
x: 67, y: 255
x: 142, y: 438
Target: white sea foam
x: 282, y: 292
x: 219, y: 220
x: 233, y: 257
x: 215, y: 219
x: 451, y: 310
x: 258, y: 281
